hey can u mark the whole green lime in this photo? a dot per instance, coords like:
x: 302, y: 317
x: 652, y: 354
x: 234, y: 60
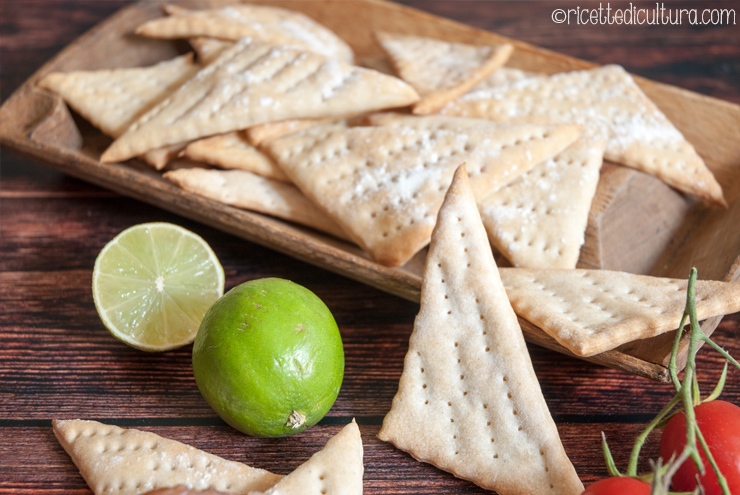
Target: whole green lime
x: 268, y: 358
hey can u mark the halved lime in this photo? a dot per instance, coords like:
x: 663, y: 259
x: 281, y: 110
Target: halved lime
x: 153, y: 283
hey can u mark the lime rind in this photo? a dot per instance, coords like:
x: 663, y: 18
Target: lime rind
x: 266, y: 350
x: 153, y: 283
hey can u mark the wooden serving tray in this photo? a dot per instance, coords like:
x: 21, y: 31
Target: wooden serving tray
x: 637, y: 223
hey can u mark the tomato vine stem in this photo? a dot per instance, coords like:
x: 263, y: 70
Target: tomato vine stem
x: 687, y: 397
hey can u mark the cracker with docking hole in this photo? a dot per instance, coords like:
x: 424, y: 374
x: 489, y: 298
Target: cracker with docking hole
x: 249, y: 191
x: 233, y: 151
x: 468, y: 400
x: 440, y: 71
x: 254, y: 83
x: 337, y: 469
x: 272, y: 24
x: 113, y: 99
x: 118, y: 461
x: 610, y: 105
x: 593, y: 311
x: 520, y: 148
x: 384, y: 185
x: 539, y: 220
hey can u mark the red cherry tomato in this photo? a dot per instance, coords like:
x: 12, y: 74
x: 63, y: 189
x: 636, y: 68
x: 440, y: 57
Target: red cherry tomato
x: 618, y: 486
x: 719, y: 422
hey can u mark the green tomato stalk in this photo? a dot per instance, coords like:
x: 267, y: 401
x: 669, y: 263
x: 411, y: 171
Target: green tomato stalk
x: 686, y: 398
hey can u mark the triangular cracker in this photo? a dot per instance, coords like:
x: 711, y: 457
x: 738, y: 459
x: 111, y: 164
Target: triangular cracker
x: 272, y: 24
x: 118, y: 461
x: 521, y: 146
x: 384, y: 185
x: 593, y: 311
x: 610, y: 105
x: 246, y: 190
x: 113, y: 99
x: 539, y: 220
x: 336, y: 469
x: 233, y: 151
x: 439, y: 70
x: 253, y: 83
x: 468, y: 400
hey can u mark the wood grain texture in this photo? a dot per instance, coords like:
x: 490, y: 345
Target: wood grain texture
x: 37, y: 123
x: 57, y: 360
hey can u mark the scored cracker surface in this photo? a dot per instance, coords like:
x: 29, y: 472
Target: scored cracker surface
x: 272, y: 24
x: 520, y: 146
x: 113, y: 99
x: 233, y: 151
x: 611, y: 106
x: 593, y: 311
x: 253, y: 83
x: 440, y: 70
x: 118, y: 461
x: 539, y: 220
x: 384, y: 185
x: 246, y: 190
x: 337, y: 469
x: 468, y: 400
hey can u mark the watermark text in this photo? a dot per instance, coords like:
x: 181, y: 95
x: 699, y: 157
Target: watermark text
x: 633, y: 15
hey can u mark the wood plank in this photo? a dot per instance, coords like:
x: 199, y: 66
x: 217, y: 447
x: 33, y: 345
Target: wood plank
x: 387, y: 470
x: 79, y: 366
x: 56, y: 359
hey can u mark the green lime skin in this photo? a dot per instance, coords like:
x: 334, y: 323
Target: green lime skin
x: 268, y: 358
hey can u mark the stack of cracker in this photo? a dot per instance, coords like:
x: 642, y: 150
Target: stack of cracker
x: 274, y: 118
x: 468, y: 400
x: 609, y: 105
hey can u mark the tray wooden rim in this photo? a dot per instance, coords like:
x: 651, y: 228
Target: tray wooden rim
x: 316, y: 249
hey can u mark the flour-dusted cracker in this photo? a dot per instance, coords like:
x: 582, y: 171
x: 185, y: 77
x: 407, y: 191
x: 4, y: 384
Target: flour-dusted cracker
x: 253, y: 83
x: 246, y: 190
x: 503, y: 76
x: 233, y: 151
x: 384, y: 185
x: 439, y: 70
x: 611, y: 106
x: 208, y: 49
x: 539, y: 220
x: 468, y: 400
x: 118, y: 461
x: 337, y: 469
x: 113, y: 99
x: 272, y: 24
x: 265, y: 132
x: 520, y: 146
x: 593, y: 311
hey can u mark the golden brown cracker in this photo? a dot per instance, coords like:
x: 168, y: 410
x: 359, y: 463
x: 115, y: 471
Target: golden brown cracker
x: 468, y: 400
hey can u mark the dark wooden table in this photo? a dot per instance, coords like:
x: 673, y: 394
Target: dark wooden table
x: 58, y: 361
